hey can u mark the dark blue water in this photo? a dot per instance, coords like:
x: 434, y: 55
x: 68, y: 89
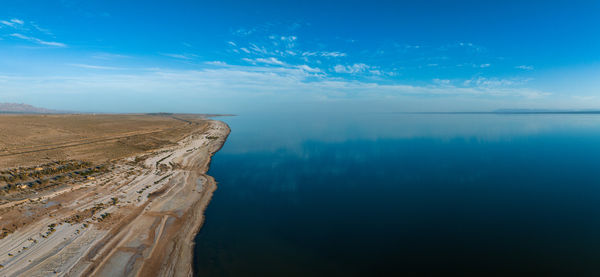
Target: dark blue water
x: 408, y: 195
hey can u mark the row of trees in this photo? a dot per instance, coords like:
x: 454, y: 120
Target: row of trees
x: 22, y: 174
x: 53, y: 177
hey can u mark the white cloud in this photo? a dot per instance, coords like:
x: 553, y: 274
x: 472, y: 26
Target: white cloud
x: 271, y: 61
x: 323, y: 54
x: 243, y: 32
x: 181, y: 56
x: 12, y: 23
x: 7, y: 23
x: 332, y: 54
x: 351, y: 69
x: 39, y: 41
x: 443, y: 82
x: 232, y: 43
x: 283, y: 65
x: 245, y: 50
x: 494, y: 82
x: 469, y: 45
x: 288, y: 38
x: 37, y: 27
x: 249, y: 60
x: 308, y: 68
x: 261, y: 50
x: 220, y: 63
x: 232, y: 86
x: 524, y: 67
x: 250, y: 79
x: 484, y: 65
x: 339, y: 68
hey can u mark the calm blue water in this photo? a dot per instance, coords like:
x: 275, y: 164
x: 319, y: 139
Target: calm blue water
x: 411, y: 195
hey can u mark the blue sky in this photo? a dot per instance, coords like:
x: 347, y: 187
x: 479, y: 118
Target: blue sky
x: 236, y: 57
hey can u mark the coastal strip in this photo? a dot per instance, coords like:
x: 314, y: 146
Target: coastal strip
x: 138, y: 219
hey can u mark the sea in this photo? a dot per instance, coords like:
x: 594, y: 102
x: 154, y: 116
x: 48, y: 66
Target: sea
x: 401, y: 194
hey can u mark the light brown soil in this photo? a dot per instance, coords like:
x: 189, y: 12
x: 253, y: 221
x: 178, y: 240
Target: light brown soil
x: 28, y: 140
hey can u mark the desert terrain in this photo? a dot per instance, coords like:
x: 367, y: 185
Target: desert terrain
x: 103, y: 195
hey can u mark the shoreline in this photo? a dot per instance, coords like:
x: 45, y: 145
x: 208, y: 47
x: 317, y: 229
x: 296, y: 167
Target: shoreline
x: 148, y: 230
x: 202, y: 209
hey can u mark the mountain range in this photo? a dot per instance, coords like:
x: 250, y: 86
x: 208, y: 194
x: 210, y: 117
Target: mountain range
x: 23, y: 108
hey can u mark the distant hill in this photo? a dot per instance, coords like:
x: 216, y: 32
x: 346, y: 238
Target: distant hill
x: 23, y: 108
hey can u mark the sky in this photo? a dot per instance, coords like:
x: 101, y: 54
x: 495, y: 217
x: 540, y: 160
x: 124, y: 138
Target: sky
x: 307, y: 56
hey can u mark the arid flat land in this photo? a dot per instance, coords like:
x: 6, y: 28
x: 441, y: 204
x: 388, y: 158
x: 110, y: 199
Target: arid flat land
x: 28, y: 140
x: 103, y: 195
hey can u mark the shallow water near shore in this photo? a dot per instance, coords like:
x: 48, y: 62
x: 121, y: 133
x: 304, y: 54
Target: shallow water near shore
x: 404, y: 194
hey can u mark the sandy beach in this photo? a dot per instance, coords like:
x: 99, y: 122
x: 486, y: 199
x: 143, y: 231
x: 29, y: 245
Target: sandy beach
x: 137, y: 219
